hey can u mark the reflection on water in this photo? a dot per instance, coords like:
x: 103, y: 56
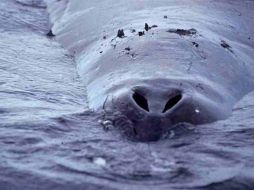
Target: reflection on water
x: 49, y: 141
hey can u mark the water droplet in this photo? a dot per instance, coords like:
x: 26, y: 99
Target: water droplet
x: 99, y: 161
x: 107, y: 124
x: 171, y: 134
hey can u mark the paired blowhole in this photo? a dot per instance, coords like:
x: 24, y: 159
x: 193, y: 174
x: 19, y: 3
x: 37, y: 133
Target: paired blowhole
x: 143, y: 103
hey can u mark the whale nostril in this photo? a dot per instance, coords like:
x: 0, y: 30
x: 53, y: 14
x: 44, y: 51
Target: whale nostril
x: 141, y: 101
x: 172, y: 102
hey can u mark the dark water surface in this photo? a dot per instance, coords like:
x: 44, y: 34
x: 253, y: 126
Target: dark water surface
x: 49, y: 140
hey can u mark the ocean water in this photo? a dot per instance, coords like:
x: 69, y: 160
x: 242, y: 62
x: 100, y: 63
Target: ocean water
x: 49, y: 138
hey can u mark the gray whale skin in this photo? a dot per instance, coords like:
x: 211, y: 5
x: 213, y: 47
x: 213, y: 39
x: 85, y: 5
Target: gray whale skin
x: 193, y: 63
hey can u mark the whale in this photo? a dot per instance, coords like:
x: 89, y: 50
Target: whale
x: 150, y: 65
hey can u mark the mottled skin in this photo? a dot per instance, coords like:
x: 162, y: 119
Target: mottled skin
x: 191, y: 68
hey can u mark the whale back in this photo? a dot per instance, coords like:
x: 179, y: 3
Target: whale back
x: 195, y: 41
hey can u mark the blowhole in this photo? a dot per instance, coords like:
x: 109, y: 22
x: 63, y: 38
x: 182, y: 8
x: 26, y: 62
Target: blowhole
x: 172, y: 102
x: 141, y: 101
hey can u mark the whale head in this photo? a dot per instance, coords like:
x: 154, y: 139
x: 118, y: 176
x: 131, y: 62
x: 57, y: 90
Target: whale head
x: 152, y: 84
x: 151, y: 108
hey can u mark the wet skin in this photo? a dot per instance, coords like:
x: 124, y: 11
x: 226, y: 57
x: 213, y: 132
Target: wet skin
x: 191, y: 68
x: 157, y: 89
